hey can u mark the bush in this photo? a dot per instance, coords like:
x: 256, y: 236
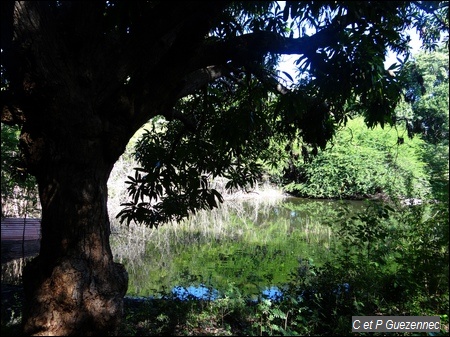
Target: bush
x: 363, y: 162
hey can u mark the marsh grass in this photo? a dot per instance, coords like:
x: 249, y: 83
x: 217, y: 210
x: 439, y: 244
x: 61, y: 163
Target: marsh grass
x: 228, y: 221
x: 319, y: 299
x: 251, y: 242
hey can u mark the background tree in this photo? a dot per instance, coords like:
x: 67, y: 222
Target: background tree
x: 362, y: 163
x: 402, y: 161
x: 80, y: 78
x: 19, y: 192
x: 426, y: 111
x: 426, y: 97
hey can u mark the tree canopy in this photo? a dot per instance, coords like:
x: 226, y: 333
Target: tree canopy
x: 427, y: 95
x: 341, y: 73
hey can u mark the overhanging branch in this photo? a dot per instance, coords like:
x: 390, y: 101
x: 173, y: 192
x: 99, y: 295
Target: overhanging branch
x: 200, y: 78
x: 175, y: 114
x: 244, y: 49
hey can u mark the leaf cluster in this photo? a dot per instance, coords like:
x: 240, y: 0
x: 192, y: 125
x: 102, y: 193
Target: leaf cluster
x: 231, y: 133
x: 361, y: 163
x: 19, y: 190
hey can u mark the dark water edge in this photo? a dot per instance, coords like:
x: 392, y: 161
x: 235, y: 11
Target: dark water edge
x: 13, y: 249
x: 14, y: 256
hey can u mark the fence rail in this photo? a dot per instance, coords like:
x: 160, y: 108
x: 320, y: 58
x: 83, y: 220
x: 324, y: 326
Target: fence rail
x: 21, y: 229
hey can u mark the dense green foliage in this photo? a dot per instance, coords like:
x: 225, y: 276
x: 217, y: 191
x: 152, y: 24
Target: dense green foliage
x: 385, y: 268
x: 426, y: 102
x: 384, y: 260
x: 227, y: 126
x: 428, y: 114
x: 361, y: 163
x: 19, y: 190
x: 409, y: 160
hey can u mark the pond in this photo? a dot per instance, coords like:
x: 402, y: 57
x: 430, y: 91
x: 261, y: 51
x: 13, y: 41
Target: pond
x: 246, y: 246
x: 250, y: 247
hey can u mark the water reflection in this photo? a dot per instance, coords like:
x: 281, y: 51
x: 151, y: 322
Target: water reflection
x: 200, y: 292
x: 273, y: 293
x: 251, y: 247
x: 15, y: 254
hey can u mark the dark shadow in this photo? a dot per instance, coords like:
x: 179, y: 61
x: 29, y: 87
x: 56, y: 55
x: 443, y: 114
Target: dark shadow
x: 13, y: 249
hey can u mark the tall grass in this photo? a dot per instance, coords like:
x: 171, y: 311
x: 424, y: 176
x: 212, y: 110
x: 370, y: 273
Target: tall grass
x: 406, y: 273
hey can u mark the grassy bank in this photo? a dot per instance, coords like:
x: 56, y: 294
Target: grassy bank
x: 386, y: 261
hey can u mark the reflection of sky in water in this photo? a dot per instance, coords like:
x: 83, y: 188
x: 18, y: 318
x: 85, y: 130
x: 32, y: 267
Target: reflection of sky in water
x: 203, y: 293
x: 272, y: 293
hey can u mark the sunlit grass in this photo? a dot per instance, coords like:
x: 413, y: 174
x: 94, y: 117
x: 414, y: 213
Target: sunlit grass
x: 311, y: 304
x: 254, y: 243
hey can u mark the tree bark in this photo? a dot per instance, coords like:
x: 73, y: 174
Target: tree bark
x: 73, y: 287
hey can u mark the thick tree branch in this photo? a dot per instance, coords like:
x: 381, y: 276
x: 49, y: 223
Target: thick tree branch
x: 175, y: 114
x: 252, y: 46
x: 201, y: 77
x: 244, y: 49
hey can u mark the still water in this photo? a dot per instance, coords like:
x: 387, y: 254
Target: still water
x: 246, y: 247
x: 249, y: 247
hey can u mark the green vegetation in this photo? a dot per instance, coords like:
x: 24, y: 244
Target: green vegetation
x: 390, y: 259
x: 406, y: 161
x: 430, y: 115
x: 250, y: 244
x: 361, y: 163
x: 384, y: 260
x: 19, y: 190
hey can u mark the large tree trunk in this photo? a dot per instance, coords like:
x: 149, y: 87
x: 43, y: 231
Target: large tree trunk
x: 85, y: 84
x: 73, y: 287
